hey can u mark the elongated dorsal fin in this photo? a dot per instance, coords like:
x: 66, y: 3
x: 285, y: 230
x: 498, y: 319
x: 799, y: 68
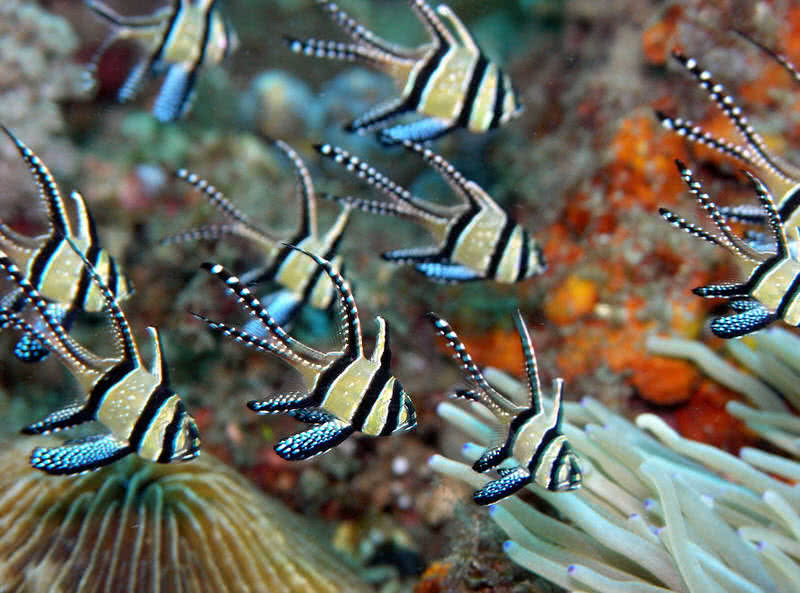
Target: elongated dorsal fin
x: 382, y: 345
x: 464, y: 36
x: 767, y: 203
x: 531, y: 370
x: 57, y: 215
x: 434, y: 26
x: 159, y: 365
x: 305, y: 192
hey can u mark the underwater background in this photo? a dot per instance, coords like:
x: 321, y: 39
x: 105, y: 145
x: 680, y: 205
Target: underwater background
x: 584, y: 168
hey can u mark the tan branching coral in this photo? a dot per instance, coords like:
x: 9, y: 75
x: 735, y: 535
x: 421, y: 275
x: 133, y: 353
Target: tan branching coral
x: 145, y: 528
x: 657, y: 512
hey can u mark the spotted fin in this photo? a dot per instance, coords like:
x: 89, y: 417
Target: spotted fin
x: 280, y: 403
x: 411, y: 255
x: 490, y: 458
x: 313, y: 441
x: 30, y: 348
x: 441, y: 272
x: 283, y: 305
x: 311, y: 415
x: 502, y: 487
x: 176, y: 92
x: 422, y: 130
x: 745, y: 322
x: 80, y: 455
x: 59, y: 420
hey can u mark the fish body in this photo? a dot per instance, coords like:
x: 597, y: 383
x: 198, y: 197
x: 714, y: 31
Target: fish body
x: 179, y: 39
x: 347, y: 391
x: 136, y: 404
x: 772, y: 289
x: 535, y: 448
x: 49, y: 263
x: 782, y: 177
x: 449, y: 81
x: 477, y: 240
x: 301, y: 280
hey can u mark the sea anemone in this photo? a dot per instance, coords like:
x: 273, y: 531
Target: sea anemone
x: 144, y: 527
x: 658, y: 514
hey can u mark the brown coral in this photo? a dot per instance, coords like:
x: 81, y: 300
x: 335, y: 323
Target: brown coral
x: 143, y: 527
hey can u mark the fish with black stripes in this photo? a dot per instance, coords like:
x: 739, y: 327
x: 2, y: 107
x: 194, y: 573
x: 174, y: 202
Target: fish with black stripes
x: 179, y: 39
x: 477, y: 239
x: 535, y: 448
x: 448, y: 81
x: 300, y: 279
x: 142, y: 413
x: 50, y: 265
x: 781, y: 176
x: 347, y: 392
x: 772, y: 289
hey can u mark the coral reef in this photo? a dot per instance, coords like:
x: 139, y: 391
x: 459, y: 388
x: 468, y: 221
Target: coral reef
x: 137, y: 526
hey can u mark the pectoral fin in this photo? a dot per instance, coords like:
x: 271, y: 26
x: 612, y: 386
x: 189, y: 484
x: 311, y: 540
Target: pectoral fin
x: 79, y: 456
x: 313, y: 441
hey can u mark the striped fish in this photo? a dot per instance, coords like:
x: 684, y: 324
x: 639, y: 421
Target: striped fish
x: 179, y: 39
x: 347, y: 392
x: 536, y: 448
x: 477, y: 240
x: 449, y: 81
x: 772, y: 290
x: 50, y: 265
x: 142, y: 413
x: 302, y: 281
x: 782, y: 176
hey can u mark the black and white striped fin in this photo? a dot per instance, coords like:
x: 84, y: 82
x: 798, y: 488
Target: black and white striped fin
x: 213, y: 195
x: 79, y: 455
x: 383, y: 184
x: 531, y: 370
x: 349, y: 323
x: 316, y: 440
x: 257, y: 343
x: 461, y: 185
x: 430, y: 20
x: 33, y: 348
x: 690, y: 228
x: 53, y: 333
x: 119, y: 323
x: 767, y: 203
x: 48, y: 189
x: 747, y: 213
x: 713, y: 291
x: 778, y: 57
x: 305, y: 192
x: 491, y: 458
x: 311, y: 415
x: 209, y: 232
x: 716, y: 91
x: 412, y: 255
x: 363, y: 36
x: 399, y: 209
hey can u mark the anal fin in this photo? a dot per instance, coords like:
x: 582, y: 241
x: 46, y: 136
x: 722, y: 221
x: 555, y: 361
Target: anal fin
x: 743, y: 323
x: 311, y: 415
x: 174, y: 97
x: 59, y: 420
x: 313, y: 441
x: 80, y: 455
x: 502, y: 487
x: 490, y: 458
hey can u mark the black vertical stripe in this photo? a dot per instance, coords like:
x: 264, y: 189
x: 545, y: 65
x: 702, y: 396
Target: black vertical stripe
x: 557, y: 463
x: 424, y: 76
x: 111, y: 378
x: 376, y: 385
x: 167, y: 32
x: 155, y: 402
x: 455, y: 231
x: 42, y: 259
x: 524, y: 256
x: 393, y: 413
x: 789, y: 297
x: 499, y: 99
x: 200, y: 59
x: 789, y: 204
x: 85, y: 278
x: 547, y: 439
x: 328, y: 376
x: 500, y: 246
x: 474, y: 87
x: 171, y: 434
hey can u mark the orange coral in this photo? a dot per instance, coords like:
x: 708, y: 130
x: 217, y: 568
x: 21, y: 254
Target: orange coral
x: 658, y: 39
x: 573, y: 299
x: 432, y: 580
x: 663, y: 381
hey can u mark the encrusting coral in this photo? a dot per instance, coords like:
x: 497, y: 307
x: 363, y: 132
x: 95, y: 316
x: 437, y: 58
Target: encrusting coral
x: 142, y: 527
x: 658, y: 512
